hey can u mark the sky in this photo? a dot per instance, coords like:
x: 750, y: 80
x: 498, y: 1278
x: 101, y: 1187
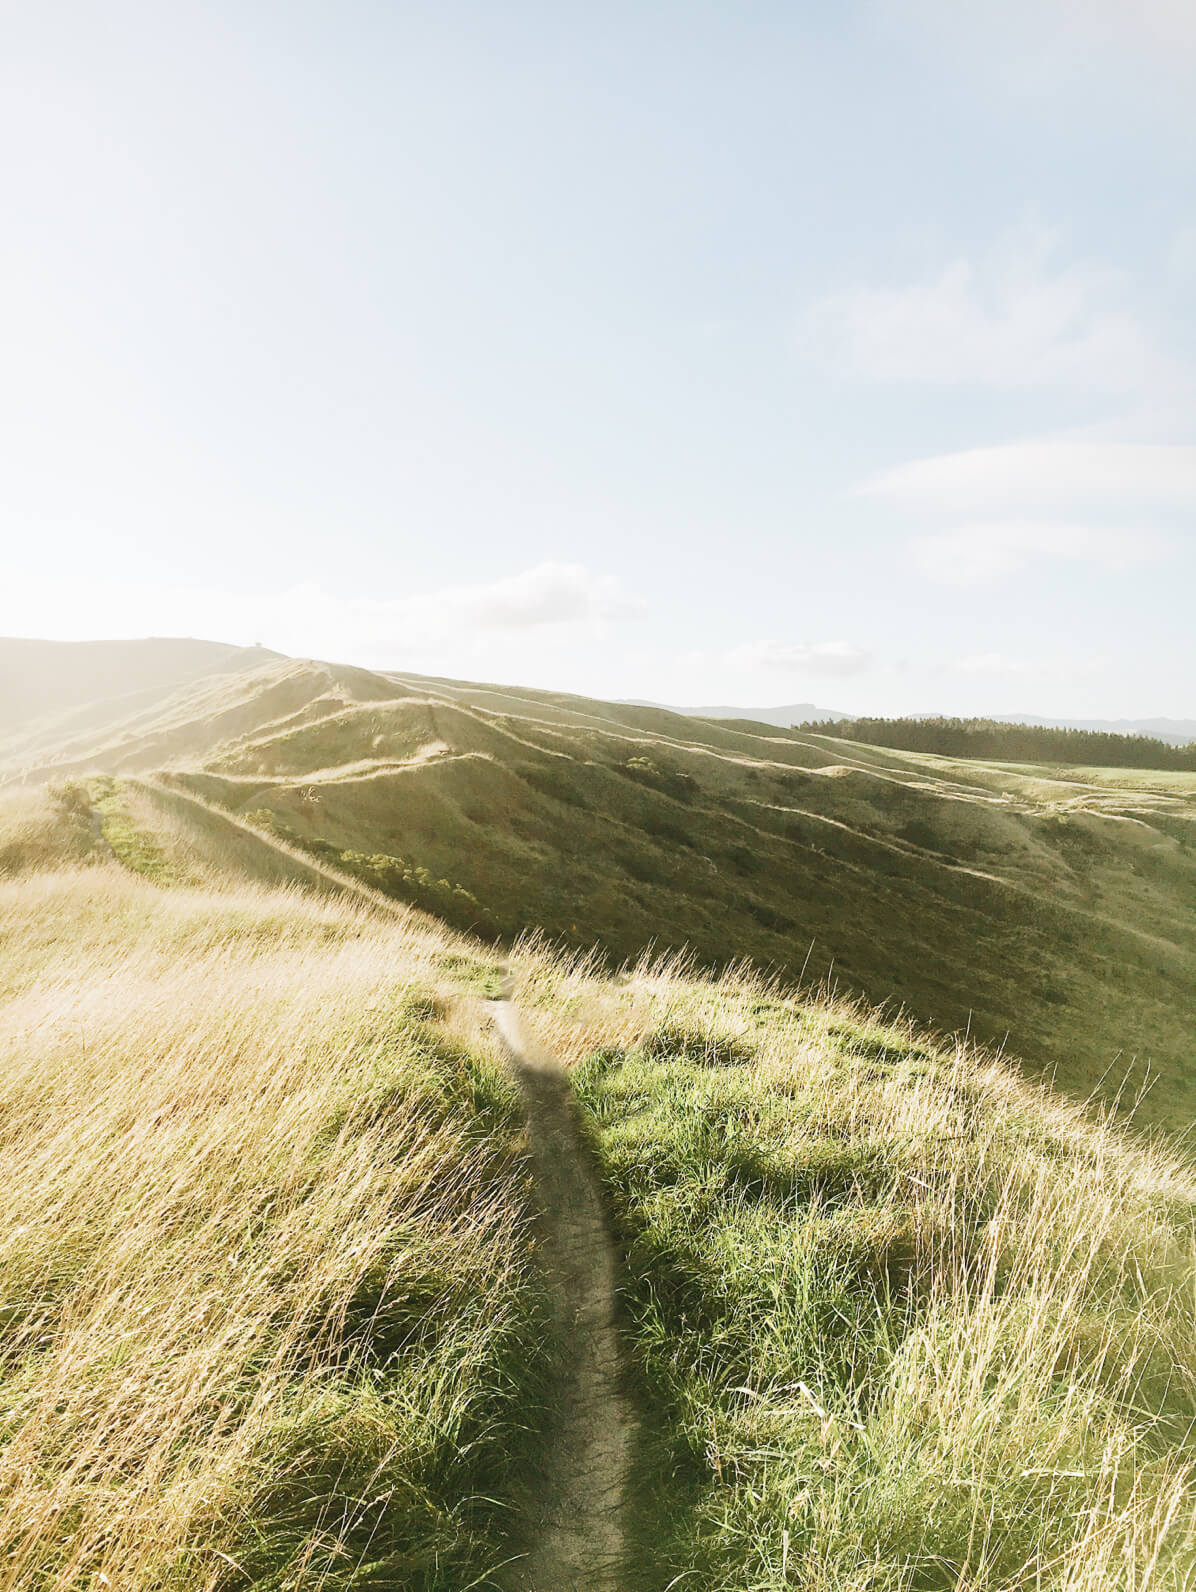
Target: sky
x: 744, y: 353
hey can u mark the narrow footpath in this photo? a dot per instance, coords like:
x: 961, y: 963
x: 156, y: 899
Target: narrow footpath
x: 575, y: 1518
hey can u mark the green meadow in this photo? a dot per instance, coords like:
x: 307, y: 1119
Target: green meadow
x: 897, y: 1311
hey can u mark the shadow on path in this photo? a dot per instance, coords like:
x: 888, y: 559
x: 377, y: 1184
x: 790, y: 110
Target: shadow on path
x: 575, y: 1523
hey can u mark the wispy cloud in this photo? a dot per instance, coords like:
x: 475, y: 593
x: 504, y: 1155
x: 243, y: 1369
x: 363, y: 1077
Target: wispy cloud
x: 823, y: 658
x: 1028, y: 473
x: 970, y: 555
x: 545, y: 601
x: 548, y: 594
x: 543, y: 597
x: 1018, y: 317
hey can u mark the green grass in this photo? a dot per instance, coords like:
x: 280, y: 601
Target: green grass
x: 1045, y: 908
x: 132, y: 843
x: 393, y: 876
x: 896, y: 1320
x: 1048, y: 913
x: 903, y: 1324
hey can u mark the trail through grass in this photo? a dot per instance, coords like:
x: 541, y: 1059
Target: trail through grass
x: 271, y: 1307
x: 278, y: 1312
x: 574, y: 1497
x: 907, y: 1324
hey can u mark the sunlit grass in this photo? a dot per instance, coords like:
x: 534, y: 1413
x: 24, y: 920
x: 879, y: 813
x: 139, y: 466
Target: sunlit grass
x: 897, y: 1320
x: 43, y: 828
x: 266, y: 1272
x: 907, y: 1321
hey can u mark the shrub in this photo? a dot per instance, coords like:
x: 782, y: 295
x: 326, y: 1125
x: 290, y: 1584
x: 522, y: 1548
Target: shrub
x: 670, y: 782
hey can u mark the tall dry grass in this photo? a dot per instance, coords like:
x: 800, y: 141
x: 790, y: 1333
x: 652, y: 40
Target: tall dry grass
x: 269, y: 1315
x: 44, y: 828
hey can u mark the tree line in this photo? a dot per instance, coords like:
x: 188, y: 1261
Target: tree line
x: 1011, y: 743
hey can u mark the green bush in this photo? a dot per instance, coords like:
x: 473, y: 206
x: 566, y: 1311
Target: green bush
x: 671, y: 782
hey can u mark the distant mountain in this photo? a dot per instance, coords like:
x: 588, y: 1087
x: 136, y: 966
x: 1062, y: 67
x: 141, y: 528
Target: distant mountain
x: 39, y: 677
x: 51, y: 691
x: 782, y: 717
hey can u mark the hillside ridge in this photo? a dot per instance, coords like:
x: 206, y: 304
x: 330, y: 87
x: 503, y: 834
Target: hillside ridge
x: 1049, y: 909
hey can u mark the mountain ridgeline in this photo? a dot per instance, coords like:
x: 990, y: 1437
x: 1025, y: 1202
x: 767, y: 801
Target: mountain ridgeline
x: 1047, y: 909
x: 996, y: 741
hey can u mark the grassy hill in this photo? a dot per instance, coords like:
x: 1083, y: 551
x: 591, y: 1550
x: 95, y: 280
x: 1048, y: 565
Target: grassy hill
x: 273, y: 1290
x: 1049, y: 907
x: 270, y: 1314
x: 54, y: 694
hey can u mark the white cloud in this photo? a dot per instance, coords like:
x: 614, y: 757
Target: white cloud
x: 465, y: 619
x: 548, y: 600
x: 548, y: 594
x: 826, y: 657
x: 971, y: 554
x: 1015, y: 319
x: 1163, y: 25
x: 1044, y: 472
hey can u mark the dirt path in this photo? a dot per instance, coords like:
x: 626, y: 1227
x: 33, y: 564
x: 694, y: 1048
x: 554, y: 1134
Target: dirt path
x: 575, y: 1514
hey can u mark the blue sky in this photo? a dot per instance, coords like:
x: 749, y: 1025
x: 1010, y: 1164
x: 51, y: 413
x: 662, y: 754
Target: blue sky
x: 751, y: 353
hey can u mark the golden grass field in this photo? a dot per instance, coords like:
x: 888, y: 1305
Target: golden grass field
x: 264, y: 1228
x: 896, y: 1319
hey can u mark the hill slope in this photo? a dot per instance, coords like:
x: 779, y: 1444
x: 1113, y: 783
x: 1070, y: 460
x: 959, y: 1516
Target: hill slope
x: 276, y: 1302
x: 267, y: 1256
x: 1052, y: 906
x: 55, y: 692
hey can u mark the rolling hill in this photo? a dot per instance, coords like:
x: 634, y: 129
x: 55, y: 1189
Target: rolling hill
x: 54, y: 693
x: 295, y: 1291
x: 1049, y: 909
